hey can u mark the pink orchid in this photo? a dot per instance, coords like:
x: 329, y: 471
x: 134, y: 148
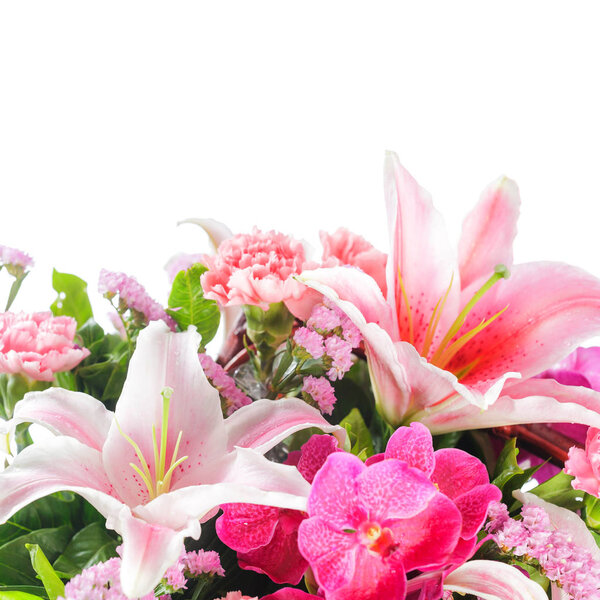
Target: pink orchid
x: 370, y: 525
x: 458, y: 475
x: 164, y: 461
x: 452, y: 330
x: 265, y: 537
x: 38, y: 345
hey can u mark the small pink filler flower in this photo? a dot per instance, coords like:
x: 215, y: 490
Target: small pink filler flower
x: 38, y: 345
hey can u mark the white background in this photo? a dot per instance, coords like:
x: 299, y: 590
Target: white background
x: 117, y: 119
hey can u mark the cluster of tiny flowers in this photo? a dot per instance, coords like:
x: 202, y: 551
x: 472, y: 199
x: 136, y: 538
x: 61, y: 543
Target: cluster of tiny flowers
x: 202, y: 562
x: 232, y: 397
x: 99, y: 582
x: 11, y: 257
x: 329, y: 334
x: 321, y: 391
x: 560, y: 559
x: 236, y: 596
x: 131, y: 294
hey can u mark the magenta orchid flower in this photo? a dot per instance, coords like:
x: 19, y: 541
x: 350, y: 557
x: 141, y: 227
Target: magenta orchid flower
x: 164, y: 461
x: 448, y: 345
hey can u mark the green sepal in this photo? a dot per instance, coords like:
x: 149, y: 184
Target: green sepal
x: 52, y: 584
x: 358, y: 434
x: 267, y: 329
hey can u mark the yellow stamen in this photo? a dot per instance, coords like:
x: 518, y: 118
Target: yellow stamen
x: 461, y: 341
x: 500, y: 272
x: 435, y: 319
x: 411, y: 337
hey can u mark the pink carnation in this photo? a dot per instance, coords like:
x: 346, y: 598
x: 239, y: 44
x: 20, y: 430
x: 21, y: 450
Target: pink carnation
x: 38, y: 345
x: 584, y: 465
x: 256, y: 269
x: 14, y: 257
x: 348, y: 248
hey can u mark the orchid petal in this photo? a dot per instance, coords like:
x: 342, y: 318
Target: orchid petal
x: 549, y: 402
x: 414, y: 446
x: 67, y: 413
x: 488, y: 232
x: 164, y: 359
x: 264, y: 423
x: 421, y: 254
x: 563, y: 520
x: 552, y: 308
x: 493, y: 580
x: 242, y: 476
x: 148, y: 551
x: 58, y: 464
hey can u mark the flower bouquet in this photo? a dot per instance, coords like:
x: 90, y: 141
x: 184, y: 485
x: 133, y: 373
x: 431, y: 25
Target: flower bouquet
x: 373, y: 426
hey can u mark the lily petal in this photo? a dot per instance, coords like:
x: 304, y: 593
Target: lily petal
x: 217, y: 232
x: 530, y: 401
x: 420, y: 254
x: 488, y: 232
x: 163, y: 359
x: 67, y: 413
x: 552, y: 308
x: 243, y: 476
x: 57, y: 464
x: 264, y: 423
x: 492, y: 580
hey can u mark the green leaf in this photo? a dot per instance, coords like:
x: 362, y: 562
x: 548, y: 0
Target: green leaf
x: 17, y: 595
x: 52, y: 584
x: 14, y: 290
x: 506, y: 465
x: 359, y: 434
x: 72, y: 298
x: 15, y: 563
x: 559, y: 491
x: 188, y: 306
x: 91, y: 545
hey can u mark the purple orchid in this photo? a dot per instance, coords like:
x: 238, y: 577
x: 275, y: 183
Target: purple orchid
x: 164, y: 461
x: 447, y: 344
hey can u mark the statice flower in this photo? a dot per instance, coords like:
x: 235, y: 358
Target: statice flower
x: 311, y: 341
x: 99, y: 582
x: 38, y: 345
x: 15, y: 261
x: 232, y: 397
x: 560, y: 553
x: 236, y: 596
x: 202, y: 562
x: 132, y: 295
x: 339, y: 353
x: 321, y: 392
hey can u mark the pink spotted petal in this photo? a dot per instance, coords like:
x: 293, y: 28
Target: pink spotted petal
x: 245, y: 527
x: 67, y: 413
x: 427, y: 540
x: 493, y: 580
x: 420, y: 253
x: 164, y: 359
x: 264, y: 423
x: 488, y: 232
x: 330, y: 553
x: 242, y: 476
x: 56, y: 464
x: 473, y: 506
x: 391, y: 489
x: 333, y: 495
x: 414, y: 446
x: 552, y: 308
x: 457, y: 472
x: 280, y: 559
x: 314, y: 453
x: 532, y: 401
x: 290, y: 594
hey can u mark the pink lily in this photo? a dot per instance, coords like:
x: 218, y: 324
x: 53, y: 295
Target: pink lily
x: 164, y: 461
x: 447, y: 344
